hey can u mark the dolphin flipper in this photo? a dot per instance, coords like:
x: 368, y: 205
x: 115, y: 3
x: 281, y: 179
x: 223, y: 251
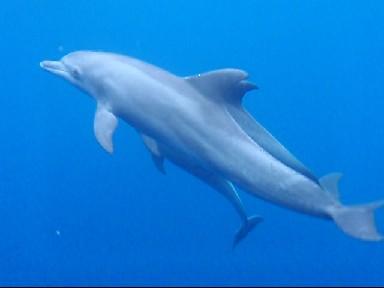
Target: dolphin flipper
x: 104, y: 125
x: 154, y: 149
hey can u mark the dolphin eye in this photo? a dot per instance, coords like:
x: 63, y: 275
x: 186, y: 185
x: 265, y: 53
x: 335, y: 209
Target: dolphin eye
x: 75, y: 73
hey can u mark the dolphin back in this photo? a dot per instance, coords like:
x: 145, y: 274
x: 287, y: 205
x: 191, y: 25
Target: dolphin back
x: 262, y: 137
x: 229, y: 86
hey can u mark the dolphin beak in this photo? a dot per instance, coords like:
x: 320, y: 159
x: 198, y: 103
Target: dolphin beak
x: 55, y: 67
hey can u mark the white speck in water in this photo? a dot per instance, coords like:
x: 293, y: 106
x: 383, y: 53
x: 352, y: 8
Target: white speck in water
x: 58, y: 233
x: 60, y: 48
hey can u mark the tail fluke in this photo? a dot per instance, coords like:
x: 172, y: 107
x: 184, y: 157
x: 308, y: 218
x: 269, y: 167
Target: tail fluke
x: 245, y: 228
x: 359, y: 221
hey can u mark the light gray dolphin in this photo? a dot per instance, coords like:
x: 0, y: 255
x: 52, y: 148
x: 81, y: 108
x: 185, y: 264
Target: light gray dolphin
x: 199, y: 124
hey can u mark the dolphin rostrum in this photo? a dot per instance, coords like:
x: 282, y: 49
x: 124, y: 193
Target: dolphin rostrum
x: 199, y: 124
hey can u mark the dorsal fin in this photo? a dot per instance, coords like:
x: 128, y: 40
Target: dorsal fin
x: 330, y: 183
x: 230, y: 85
x: 227, y: 84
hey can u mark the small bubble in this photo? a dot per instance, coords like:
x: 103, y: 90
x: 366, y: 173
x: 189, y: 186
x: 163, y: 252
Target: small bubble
x: 58, y: 233
x: 60, y: 48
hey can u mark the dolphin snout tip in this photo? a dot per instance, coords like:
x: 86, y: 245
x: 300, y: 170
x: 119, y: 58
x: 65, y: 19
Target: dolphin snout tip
x: 42, y: 64
x: 45, y: 64
x: 48, y: 64
x: 55, y: 67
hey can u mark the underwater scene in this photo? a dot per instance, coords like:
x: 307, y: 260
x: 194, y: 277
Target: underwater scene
x: 205, y: 142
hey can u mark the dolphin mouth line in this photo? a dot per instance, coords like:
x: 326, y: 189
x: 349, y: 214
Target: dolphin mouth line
x: 55, y: 67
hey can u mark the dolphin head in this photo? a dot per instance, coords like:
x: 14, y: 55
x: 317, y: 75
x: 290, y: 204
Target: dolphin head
x: 69, y: 68
x: 80, y: 68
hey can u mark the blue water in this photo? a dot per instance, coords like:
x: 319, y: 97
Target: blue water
x: 72, y: 214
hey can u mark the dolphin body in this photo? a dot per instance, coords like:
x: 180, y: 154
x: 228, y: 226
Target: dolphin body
x: 199, y: 124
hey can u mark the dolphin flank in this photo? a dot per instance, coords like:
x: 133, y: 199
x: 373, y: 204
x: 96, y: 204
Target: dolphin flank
x: 199, y: 124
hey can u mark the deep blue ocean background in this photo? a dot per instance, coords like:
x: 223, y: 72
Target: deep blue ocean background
x: 72, y: 214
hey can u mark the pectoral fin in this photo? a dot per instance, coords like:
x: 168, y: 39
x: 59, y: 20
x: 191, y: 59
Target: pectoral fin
x: 154, y: 149
x: 104, y: 125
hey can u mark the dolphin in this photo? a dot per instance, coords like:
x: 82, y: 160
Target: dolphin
x: 199, y: 124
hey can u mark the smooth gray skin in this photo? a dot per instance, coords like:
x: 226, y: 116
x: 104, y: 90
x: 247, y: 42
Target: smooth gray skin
x: 199, y: 124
